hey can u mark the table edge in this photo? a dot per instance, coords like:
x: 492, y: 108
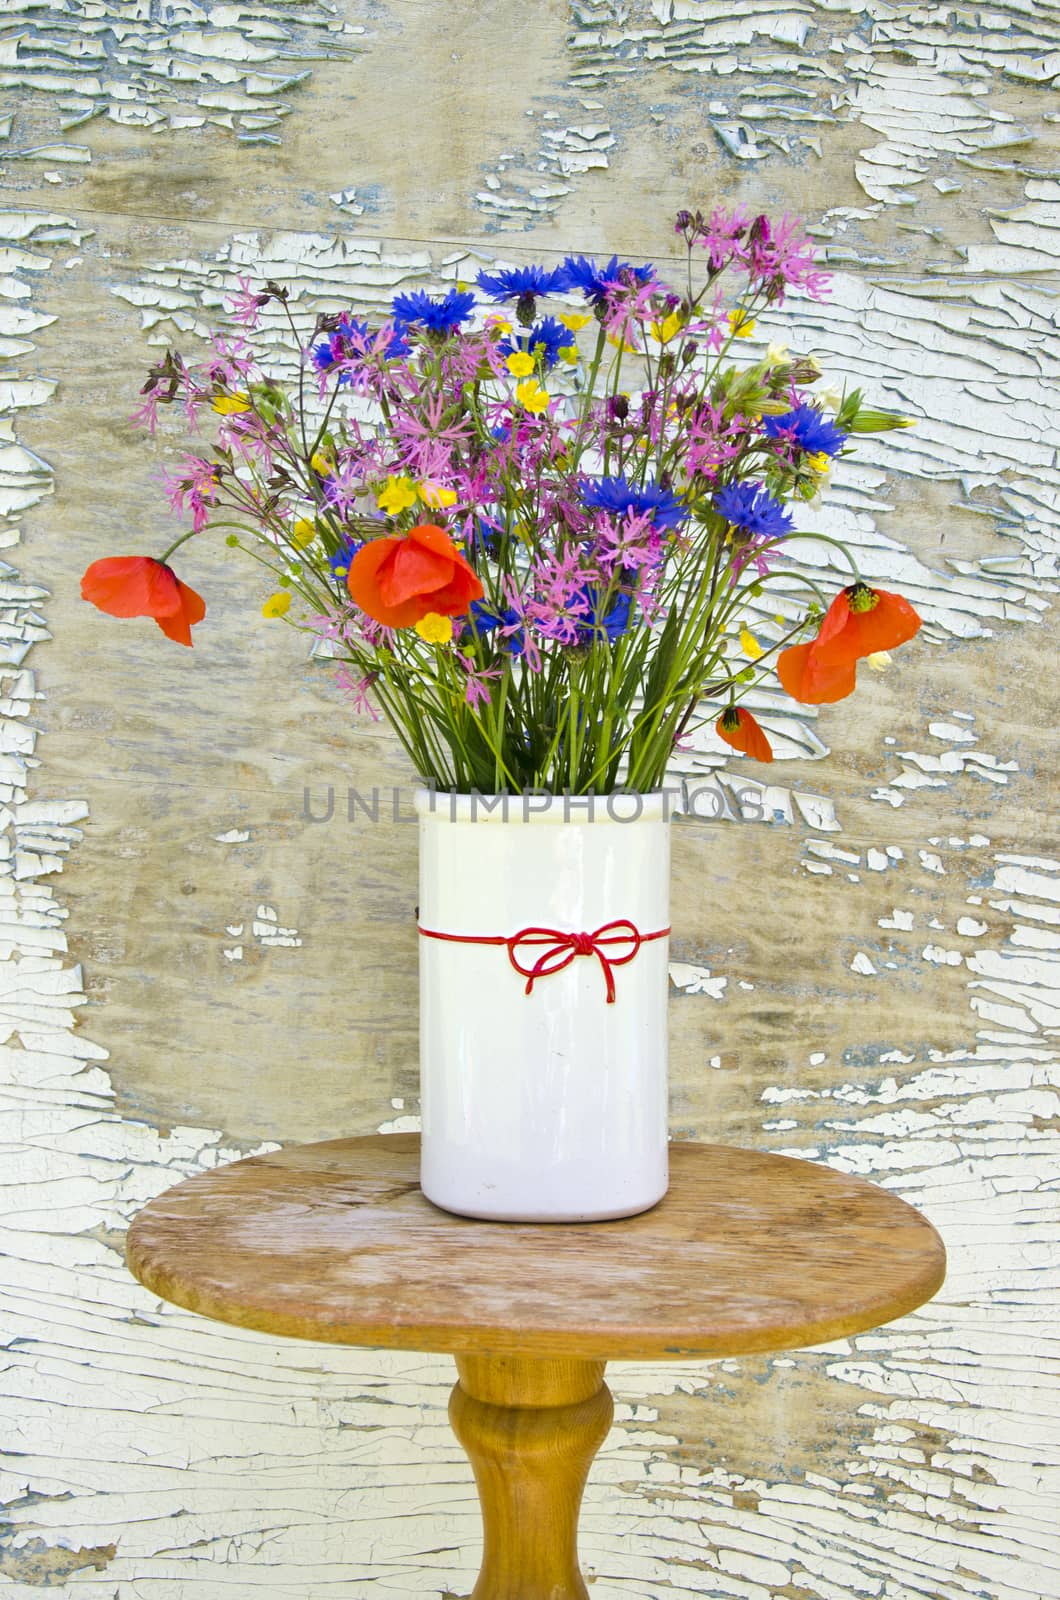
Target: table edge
x: 445, y: 1339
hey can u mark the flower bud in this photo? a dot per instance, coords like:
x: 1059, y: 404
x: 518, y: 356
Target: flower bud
x: 879, y: 422
x: 806, y: 369
x: 526, y: 309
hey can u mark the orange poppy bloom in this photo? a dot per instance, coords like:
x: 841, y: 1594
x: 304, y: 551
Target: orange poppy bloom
x: 861, y: 621
x: 740, y: 729
x: 140, y: 586
x: 812, y: 681
x: 398, y: 581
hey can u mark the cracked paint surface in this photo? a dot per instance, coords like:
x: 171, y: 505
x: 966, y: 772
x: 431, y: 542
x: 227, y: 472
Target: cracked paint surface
x: 166, y: 68
x: 869, y: 976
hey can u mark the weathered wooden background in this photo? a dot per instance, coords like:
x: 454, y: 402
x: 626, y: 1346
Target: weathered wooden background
x: 869, y: 978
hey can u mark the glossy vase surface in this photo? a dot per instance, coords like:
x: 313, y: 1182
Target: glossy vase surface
x: 549, y: 1105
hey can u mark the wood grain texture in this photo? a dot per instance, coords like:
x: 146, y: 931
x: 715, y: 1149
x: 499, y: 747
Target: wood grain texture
x: 335, y: 1242
x: 531, y: 1454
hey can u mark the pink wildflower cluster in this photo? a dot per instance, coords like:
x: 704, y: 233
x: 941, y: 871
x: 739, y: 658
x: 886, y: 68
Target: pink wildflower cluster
x: 193, y: 489
x: 775, y: 256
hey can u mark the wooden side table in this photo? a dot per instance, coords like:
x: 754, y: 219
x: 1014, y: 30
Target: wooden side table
x: 747, y: 1252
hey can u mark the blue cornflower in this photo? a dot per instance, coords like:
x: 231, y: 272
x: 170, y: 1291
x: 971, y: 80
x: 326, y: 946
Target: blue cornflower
x: 812, y: 432
x: 324, y: 356
x: 617, y: 496
x: 612, y: 623
x: 583, y: 273
x: 485, y: 618
x: 519, y: 283
x: 340, y: 561
x: 751, y: 507
x: 437, y: 316
x: 334, y: 348
x: 551, y: 335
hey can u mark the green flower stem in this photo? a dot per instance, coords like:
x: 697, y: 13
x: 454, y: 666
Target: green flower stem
x: 164, y: 557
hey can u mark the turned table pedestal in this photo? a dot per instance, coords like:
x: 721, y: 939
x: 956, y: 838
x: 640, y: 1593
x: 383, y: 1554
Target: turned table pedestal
x: 747, y: 1252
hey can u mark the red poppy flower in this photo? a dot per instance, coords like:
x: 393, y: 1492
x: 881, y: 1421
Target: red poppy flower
x: 397, y: 581
x: 140, y: 586
x: 861, y: 621
x: 740, y: 729
x: 811, y: 681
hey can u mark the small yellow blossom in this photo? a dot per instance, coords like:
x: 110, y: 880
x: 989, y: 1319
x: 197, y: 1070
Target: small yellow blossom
x: 498, y: 325
x: 569, y: 354
x: 277, y: 605
x: 777, y: 355
x: 670, y: 326
x: 226, y: 404
x: 303, y: 532
x: 530, y: 394
x: 741, y: 324
x: 779, y: 617
x: 321, y: 464
x: 820, y: 461
x: 750, y: 645
x: 574, y: 320
x: 434, y: 628
x: 399, y: 494
x: 622, y: 344
x: 520, y: 363
x: 436, y: 495
x: 879, y: 660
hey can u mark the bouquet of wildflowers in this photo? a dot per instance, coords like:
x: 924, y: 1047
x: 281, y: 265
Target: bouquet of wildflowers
x: 529, y: 523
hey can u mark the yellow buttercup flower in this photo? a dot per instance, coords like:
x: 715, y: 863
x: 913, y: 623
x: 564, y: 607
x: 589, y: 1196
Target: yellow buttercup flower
x: 750, y: 645
x: 820, y: 461
x: 520, y: 363
x: 434, y: 628
x: 530, y: 394
x: 670, y: 326
x: 574, y: 320
x: 741, y: 324
x: 321, y: 464
x: 569, y: 354
x: 277, y: 605
x: 226, y: 404
x: 399, y: 494
x: 436, y: 495
x: 621, y: 344
x: 303, y: 532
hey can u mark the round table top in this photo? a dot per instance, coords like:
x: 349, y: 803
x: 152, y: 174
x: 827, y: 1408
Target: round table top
x: 336, y: 1242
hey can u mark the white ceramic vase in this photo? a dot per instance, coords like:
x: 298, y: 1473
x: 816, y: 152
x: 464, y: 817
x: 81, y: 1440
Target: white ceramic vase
x: 548, y: 1105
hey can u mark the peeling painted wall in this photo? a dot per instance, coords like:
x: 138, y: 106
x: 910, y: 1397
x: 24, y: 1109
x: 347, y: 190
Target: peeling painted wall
x: 867, y: 962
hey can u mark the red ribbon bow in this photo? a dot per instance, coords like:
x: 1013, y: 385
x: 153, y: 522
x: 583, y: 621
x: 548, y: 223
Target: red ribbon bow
x: 559, y: 949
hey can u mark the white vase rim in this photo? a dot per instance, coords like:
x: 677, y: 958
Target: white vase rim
x: 619, y: 808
